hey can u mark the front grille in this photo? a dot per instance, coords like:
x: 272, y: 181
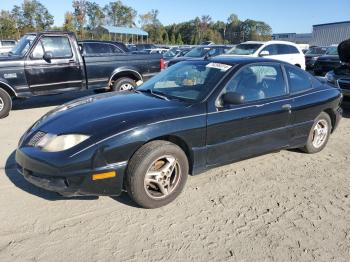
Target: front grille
x: 36, y: 138
x: 344, y: 84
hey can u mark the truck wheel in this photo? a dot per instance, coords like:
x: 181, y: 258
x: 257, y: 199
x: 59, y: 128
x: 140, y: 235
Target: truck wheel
x: 156, y: 174
x: 123, y: 84
x: 319, y: 134
x: 5, y: 103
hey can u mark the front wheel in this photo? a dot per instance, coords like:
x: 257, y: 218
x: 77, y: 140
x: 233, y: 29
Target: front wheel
x: 319, y: 134
x: 156, y: 174
x: 5, y: 103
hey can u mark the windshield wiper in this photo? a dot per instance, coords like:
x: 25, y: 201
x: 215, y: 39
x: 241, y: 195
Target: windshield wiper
x: 154, y: 93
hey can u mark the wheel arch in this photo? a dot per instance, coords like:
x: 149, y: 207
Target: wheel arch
x: 119, y: 73
x: 332, y: 117
x: 8, y: 88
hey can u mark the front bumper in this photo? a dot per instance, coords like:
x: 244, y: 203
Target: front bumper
x: 45, y: 176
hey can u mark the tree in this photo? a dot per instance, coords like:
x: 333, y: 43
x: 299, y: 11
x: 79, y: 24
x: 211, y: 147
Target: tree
x: 32, y: 16
x: 68, y: 24
x: 95, y: 14
x: 179, y: 39
x: 150, y: 23
x: 165, y: 38
x: 79, y: 13
x: 119, y: 14
x: 173, y: 39
x: 7, y: 25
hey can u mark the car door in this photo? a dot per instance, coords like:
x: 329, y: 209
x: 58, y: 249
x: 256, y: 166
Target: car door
x: 60, y: 71
x: 257, y: 126
x: 304, y: 104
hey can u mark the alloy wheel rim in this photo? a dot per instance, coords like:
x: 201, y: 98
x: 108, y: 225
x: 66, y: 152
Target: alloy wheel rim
x: 320, y: 133
x: 162, y: 177
x: 126, y: 86
x: 1, y: 104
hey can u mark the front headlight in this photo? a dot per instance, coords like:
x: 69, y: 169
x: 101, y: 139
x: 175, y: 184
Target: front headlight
x: 55, y: 143
x: 330, y: 77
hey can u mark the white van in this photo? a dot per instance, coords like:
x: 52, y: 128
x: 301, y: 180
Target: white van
x: 279, y: 50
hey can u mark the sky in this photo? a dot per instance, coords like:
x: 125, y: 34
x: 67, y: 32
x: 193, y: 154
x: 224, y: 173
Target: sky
x: 284, y: 16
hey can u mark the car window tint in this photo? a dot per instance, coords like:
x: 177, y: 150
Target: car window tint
x: 298, y: 80
x: 100, y: 48
x: 214, y: 52
x: 283, y: 49
x: 8, y: 43
x: 257, y: 82
x: 59, y: 46
x: 272, y: 49
x: 293, y: 50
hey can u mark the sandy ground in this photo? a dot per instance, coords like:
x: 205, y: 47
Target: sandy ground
x: 285, y: 206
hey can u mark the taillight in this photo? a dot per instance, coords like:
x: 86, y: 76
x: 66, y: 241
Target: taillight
x: 162, y: 64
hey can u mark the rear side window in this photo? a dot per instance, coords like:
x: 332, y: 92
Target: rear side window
x: 298, y: 80
x: 287, y: 49
x: 100, y: 48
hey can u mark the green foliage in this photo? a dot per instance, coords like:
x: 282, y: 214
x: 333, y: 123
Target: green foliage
x: 119, y: 14
x: 7, y: 25
x: 88, y: 18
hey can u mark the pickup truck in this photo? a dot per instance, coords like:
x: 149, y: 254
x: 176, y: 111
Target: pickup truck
x: 54, y: 62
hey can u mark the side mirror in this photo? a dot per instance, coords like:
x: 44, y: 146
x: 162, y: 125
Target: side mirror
x: 264, y: 53
x: 48, y: 56
x: 233, y: 98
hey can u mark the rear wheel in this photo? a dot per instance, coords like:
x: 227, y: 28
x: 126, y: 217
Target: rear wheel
x: 156, y: 174
x: 123, y: 84
x: 319, y: 134
x: 5, y: 103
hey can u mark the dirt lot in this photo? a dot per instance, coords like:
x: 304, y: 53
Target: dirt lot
x: 285, y: 206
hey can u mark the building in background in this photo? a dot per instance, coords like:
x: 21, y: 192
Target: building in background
x: 330, y: 34
x: 293, y: 37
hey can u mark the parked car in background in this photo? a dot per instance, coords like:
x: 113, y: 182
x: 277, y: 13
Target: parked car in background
x: 200, y: 52
x: 140, y: 47
x: 194, y: 116
x: 151, y: 51
x: 6, y: 46
x: 340, y: 76
x: 52, y: 62
x: 312, y: 55
x: 175, y: 52
x: 279, y: 50
x: 208, y: 43
x: 102, y: 47
x: 327, y: 62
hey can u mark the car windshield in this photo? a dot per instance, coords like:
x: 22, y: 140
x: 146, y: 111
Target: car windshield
x: 169, y: 54
x: 198, y: 52
x: 316, y: 51
x: 244, y: 49
x: 189, y: 80
x: 333, y: 50
x: 23, y: 45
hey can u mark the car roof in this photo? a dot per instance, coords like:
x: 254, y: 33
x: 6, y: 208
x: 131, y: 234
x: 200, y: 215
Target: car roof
x: 271, y: 42
x: 234, y: 60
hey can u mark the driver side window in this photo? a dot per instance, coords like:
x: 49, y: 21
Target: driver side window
x: 257, y: 82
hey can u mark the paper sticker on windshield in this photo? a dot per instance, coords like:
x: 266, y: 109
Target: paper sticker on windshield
x: 219, y: 66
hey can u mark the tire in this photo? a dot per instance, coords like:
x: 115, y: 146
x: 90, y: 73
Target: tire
x: 5, y: 103
x: 143, y: 165
x: 322, y: 122
x: 123, y: 84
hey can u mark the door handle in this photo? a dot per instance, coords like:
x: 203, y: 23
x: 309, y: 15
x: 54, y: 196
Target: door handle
x: 287, y: 107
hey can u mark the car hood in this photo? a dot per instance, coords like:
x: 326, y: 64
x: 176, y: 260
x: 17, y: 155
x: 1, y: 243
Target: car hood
x: 344, y: 51
x: 102, y: 114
